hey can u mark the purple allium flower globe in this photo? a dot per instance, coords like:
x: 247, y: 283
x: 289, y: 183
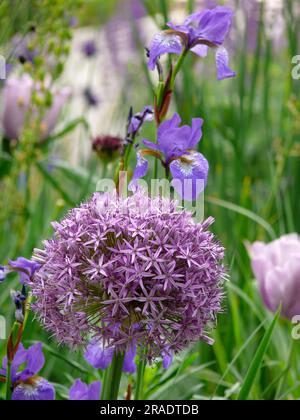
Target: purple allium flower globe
x: 129, y: 271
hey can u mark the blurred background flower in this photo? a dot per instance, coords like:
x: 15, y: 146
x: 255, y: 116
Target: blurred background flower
x: 277, y: 269
x: 17, y: 94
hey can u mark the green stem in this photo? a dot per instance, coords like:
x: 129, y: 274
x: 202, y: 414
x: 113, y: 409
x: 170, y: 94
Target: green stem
x: 178, y: 67
x: 286, y: 371
x: 140, y: 376
x: 112, y: 378
x: 8, y: 381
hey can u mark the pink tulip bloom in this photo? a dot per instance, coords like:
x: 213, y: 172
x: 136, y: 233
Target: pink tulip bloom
x: 16, y: 101
x: 277, y: 269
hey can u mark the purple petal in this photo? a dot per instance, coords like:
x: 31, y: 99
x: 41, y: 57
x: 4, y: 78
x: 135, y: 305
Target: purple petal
x: 97, y: 356
x: 94, y: 391
x: 129, y: 365
x: 152, y: 146
x: 163, y: 43
x: 39, y: 389
x: 134, y: 125
x: 19, y: 359
x: 80, y: 391
x: 25, y: 268
x: 189, y: 179
x: 167, y: 360
x: 214, y: 24
x: 140, y: 171
x: 174, y: 122
x: 138, y: 120
x: 16, y: 100
x: 175, y: 142
x: 222, y: 63
x: 196, y: 134
x: 200, y: 50
x: 35, y: 361
x: 210, y: 25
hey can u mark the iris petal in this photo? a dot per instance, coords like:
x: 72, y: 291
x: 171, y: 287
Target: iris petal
x: 140, y: 171
x: 222, y: 63
x: 189, y: 175
x: 163, y: 43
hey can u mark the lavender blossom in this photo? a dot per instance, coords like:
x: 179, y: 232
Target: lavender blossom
x: 199, y: 31
x: 16, y: 101
x: 25, y: 367
x: 129, y: 271
x: 80, y: 391
x: 175, y: 145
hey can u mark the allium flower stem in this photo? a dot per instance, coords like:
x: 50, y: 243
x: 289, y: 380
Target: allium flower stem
x: 112, y: 378
x: 140, y: 376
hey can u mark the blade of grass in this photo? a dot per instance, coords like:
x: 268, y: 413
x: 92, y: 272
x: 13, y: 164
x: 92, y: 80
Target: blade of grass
x: 244, y: 212
x: 257, y: 361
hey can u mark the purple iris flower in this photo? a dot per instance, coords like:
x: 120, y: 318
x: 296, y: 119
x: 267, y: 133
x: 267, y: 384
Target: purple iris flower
x: 138, y: 120
x: 175, y: 145
x: 100, y: 357
x: 199, y: 31
x: 26, y: 384
x: 24, y: 267
x: 80, y: 391
x: 129, y: 365
x: 89, y: 48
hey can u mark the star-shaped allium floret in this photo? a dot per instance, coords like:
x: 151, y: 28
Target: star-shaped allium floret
x: 189, y: 256
x: 96, y: 268
x: 139, y: 229
x: 68, y: 267
x: 153, y: 259
x: 133, y: 249
x: 137, y: 273
x: 169, y: 277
